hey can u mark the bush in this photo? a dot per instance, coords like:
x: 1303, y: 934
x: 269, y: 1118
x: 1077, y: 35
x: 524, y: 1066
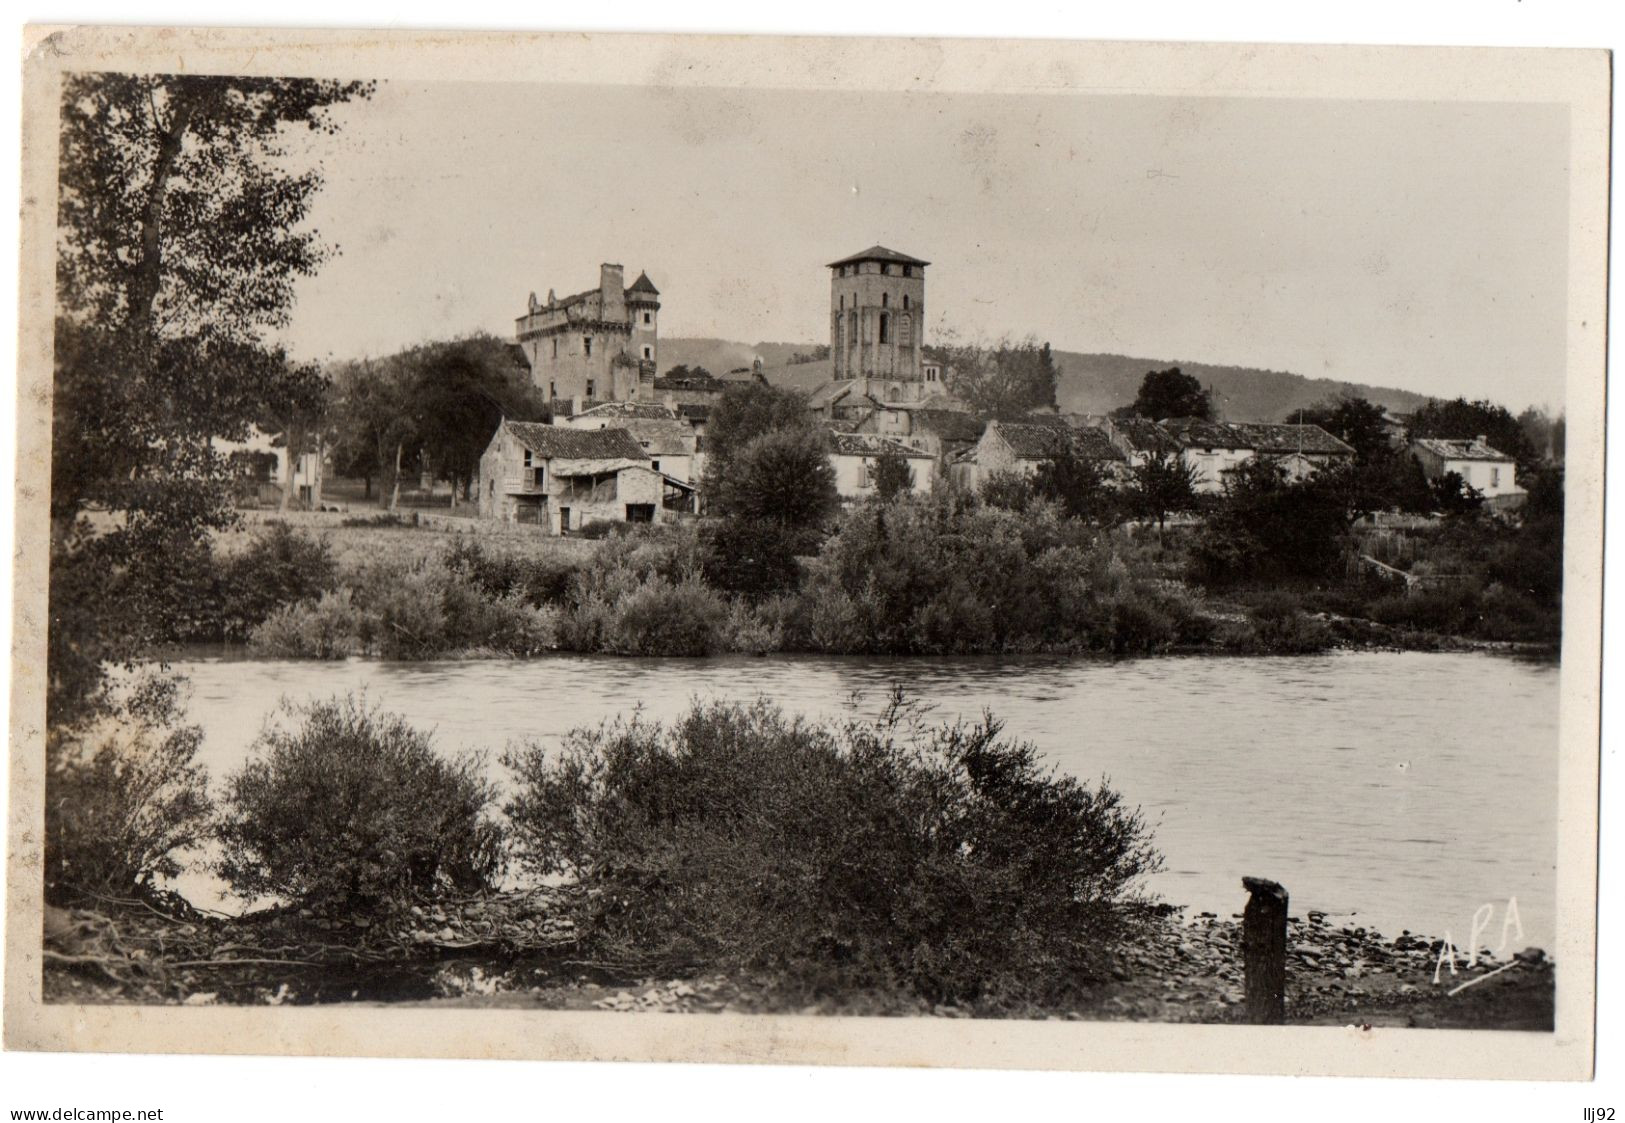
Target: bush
x: 1280, y: 626
x: 352, y: 808
x: 751, y: 558
x: 279, y: 566
x: 540, y: 581
x: 944, y: 864
x: 329, y: 628
x: 123, y: 796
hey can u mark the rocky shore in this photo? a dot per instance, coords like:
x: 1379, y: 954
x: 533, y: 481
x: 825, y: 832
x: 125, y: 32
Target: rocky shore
x: 508, y: 953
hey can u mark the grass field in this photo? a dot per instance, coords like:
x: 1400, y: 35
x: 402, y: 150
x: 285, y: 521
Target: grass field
x: 357, y: 546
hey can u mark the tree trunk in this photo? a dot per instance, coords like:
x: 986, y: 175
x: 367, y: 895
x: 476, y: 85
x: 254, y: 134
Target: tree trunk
x: 148, y: 273
x: 366, y: 483
x: 395, y: 484
x: 291, y: 444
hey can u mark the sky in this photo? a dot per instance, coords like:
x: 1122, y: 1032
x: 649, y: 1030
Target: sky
x: 1417, y: 245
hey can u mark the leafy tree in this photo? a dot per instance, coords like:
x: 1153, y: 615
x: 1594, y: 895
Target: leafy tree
x: 181, y: 214
x: 1007, y: 379
x: 461, y: 391
x: 747, y: 411
x: 1161, y: 485
x: 1009, y: 490
x: 782, y: 477
x: 1169, y: 393
x: 893, y: 476
x: 1461, y: 420
x: 1267, y: 528
x: 1080, y: 486
x: 1353, y: 420
x: 1545, y: 433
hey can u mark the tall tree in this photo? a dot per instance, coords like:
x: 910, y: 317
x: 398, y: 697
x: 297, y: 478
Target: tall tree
x: 747, y: 411
x: 1169, y: 393
x: 1355, y: 421
x: 181, y: 216
x: 1006, y: 379
x: 462, y: 389
x: 1161, y: 485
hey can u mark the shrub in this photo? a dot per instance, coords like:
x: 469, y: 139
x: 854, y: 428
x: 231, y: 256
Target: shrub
x: 944, y: 864
x: 540, y: 580
x: 124, y: 797
x: 328, y: 628
x: 599, y: 529
x: 752, y: 558
x: 279, y: 566
x: 351, y: 808
x: 1280, y: 626
x: 660, y: 618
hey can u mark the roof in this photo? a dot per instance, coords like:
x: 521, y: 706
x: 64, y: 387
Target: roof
x: 1044, y: 441
x: 580, y: 444
x: 868, y: 444
x: 649, y: 410
x: 1144, y: 435
x: 878, y: 253
x: 1474, y: 449
x: 1189, y: 431
x: 1312, y: 439
x: 643, y: 284
x: 831, y: 392
x: 693, y: 411
x: 706, y: 381
x: 949, y: 424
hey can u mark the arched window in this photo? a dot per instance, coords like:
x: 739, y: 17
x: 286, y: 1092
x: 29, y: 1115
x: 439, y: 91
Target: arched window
x: 905, y: 300
x: 893, y: 394
x: 885, y: 328
x: 885, y: 299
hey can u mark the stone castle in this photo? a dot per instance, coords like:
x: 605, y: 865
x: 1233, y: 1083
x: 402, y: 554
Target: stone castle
x: 598, y: 345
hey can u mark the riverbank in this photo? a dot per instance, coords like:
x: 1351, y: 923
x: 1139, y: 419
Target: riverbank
x: 517, y: 952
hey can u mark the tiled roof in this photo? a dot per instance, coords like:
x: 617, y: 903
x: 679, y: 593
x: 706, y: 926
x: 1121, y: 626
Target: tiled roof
x: 879, y: 253
x: 581, y: 444
x: 1193, y: 431
x: 649, y: 410
x: 705, y: 381
x: 643, y: 284
x: 869, y: 444
x: 693, y: 412
x: 1474, y: 449
x: 1040, y: 442
x: 1144, y: 435
x: 1280, y: 438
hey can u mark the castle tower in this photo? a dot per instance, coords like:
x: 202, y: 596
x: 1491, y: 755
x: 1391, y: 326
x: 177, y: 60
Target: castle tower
x: 643, y: 305
x: 877, y: 315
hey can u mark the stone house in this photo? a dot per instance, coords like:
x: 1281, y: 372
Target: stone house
x: 597, y: 345
x: 1139, y: 439
x: 1493, y: 474
x: 669, y: 441
x: 853, y: 457
x: 1007, y: 446
x: 563, y: 478
x: 1215, y: 449
x: 940, y: 432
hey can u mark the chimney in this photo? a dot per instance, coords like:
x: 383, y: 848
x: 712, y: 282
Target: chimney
x: 1482, y: 439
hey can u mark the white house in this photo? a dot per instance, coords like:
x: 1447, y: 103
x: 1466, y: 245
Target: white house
x: 1491, y: 473
x: 853, y: 456
x: 671, y: 442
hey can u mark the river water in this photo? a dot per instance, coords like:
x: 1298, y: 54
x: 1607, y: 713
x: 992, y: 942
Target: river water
x: 1391, y: 790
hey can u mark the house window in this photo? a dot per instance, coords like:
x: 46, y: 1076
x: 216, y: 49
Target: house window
x: 655, y: 465
x: 552, y: 389
x: 590, y: 386
x: 885, y: 299
x: 648, y: 317
x: 648, y: 352
x: 586, y: 345
x: 527, y: 457
x: 863, y: 474
x: 1495, y: 477
x: 905, y: 301
x: 555, y: 346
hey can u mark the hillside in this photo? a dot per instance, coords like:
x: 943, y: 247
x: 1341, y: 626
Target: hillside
x: 1090, y: 383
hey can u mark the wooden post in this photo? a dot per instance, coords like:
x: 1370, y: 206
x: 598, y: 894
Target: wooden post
x: 1263, y: 941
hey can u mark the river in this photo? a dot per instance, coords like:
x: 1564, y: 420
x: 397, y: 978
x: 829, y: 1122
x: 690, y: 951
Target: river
x: 1390, y: 790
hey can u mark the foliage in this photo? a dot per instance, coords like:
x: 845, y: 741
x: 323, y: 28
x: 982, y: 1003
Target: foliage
x: 892, y: 475
x: 181, y: 214
x: 1169, y: 393
x: 783, y: 477
x: 1269, y: 527
x: 1160, y: 486
x: 124, y: 796
x: 752, y: 558
x: 1007, y: 379
x: 539, y: 581
x: 327, y: 628
x: 347, y: 807
x: 1280, y: 627
x: 1081, y: 487
x: 683, y: 370
x: 943, y: 863
x: 747, y: 411
x: 1007, y: 489
x: 1355, y: 421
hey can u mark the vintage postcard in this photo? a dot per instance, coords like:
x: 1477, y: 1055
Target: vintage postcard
x: 888, y: 552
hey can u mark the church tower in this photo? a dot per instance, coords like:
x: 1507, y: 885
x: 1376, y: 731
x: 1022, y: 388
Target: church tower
x: 877, y: 315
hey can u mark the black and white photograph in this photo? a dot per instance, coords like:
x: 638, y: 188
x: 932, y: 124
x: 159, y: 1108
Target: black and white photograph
x: 978, y: 551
